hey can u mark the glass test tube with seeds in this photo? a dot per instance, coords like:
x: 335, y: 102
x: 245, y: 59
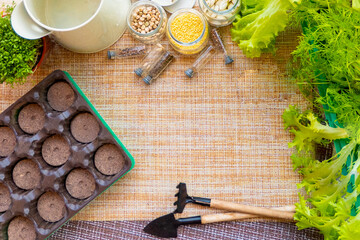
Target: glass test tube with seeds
x: 160, y: 65
x: 201, y: 61
x: 218, y: 43
x: 127, y: 52
x: 149, y: 60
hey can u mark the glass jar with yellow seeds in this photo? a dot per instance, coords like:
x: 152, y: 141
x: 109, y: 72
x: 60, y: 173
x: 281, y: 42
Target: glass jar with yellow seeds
x: 187, y: 31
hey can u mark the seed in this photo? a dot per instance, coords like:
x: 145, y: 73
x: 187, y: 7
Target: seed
x: 222, y: 5
x: 211, y: 3
x: 187, y: 27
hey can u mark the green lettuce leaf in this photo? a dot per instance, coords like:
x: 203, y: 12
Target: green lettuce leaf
x: 331, y: 186
x: 326, y: 67
x: 307, y: 129
x: 255, y: 32
x: 350, y: 230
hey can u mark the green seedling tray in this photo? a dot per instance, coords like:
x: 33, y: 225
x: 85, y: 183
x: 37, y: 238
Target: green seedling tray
x: 102, y: 120
x: 24, y: 202
x: 109, y: 129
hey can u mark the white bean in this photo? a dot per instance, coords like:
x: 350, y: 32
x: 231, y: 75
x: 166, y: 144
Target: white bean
x: 210, y: 2
x: 223, y: 5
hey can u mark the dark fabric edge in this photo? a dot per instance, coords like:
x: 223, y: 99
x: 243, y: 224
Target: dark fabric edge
x: 114, y: 230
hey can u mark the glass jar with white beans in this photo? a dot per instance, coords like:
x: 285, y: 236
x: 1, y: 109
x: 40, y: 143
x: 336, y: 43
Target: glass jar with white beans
x: 220, y: 12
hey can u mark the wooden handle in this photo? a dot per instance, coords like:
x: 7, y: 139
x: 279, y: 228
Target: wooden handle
x: 225, y: 217
x: 236, y: 207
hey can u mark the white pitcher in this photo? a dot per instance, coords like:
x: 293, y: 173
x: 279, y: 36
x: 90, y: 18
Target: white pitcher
x: 83, y: 26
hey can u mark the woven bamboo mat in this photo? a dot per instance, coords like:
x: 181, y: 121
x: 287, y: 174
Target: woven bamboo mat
x: 220, y: 132
x: 125, y: 230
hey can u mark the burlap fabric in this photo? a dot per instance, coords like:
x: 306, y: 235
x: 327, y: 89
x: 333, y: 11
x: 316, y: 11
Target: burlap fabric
x: 220, y: 132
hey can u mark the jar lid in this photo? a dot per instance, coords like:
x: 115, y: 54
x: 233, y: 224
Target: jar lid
x: 228, y: 60
x: 180, y: 5
x: 147, y: 79
x: 111, y: 54
x: 189, y: 72
x: 165, y: 3
x: 138, y: 71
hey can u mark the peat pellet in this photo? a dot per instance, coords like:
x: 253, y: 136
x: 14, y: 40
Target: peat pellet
x: 21, y: 228
x: 55, y: 150
x: 5, y: 199
x: 51, y: 207
x: 84, y: 128
x: 7, y: 141
x: 31, y: 118
x: 26, y: 174
x: 60, y: 96
x: 80, y: 183
x: 109, y: 159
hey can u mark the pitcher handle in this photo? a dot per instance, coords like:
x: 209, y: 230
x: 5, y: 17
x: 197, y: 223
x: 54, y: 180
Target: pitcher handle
x: 24, y: 26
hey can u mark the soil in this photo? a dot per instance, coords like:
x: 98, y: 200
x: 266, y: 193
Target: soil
x: 55, y: 150
x: 7, y: 141
x: 60, y: 96
x: 80, y: 183
x: 85, y: 128
x: 26, y: 174
x: 31, y: 118
x: 109, y: 159
x: 51, y: 207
